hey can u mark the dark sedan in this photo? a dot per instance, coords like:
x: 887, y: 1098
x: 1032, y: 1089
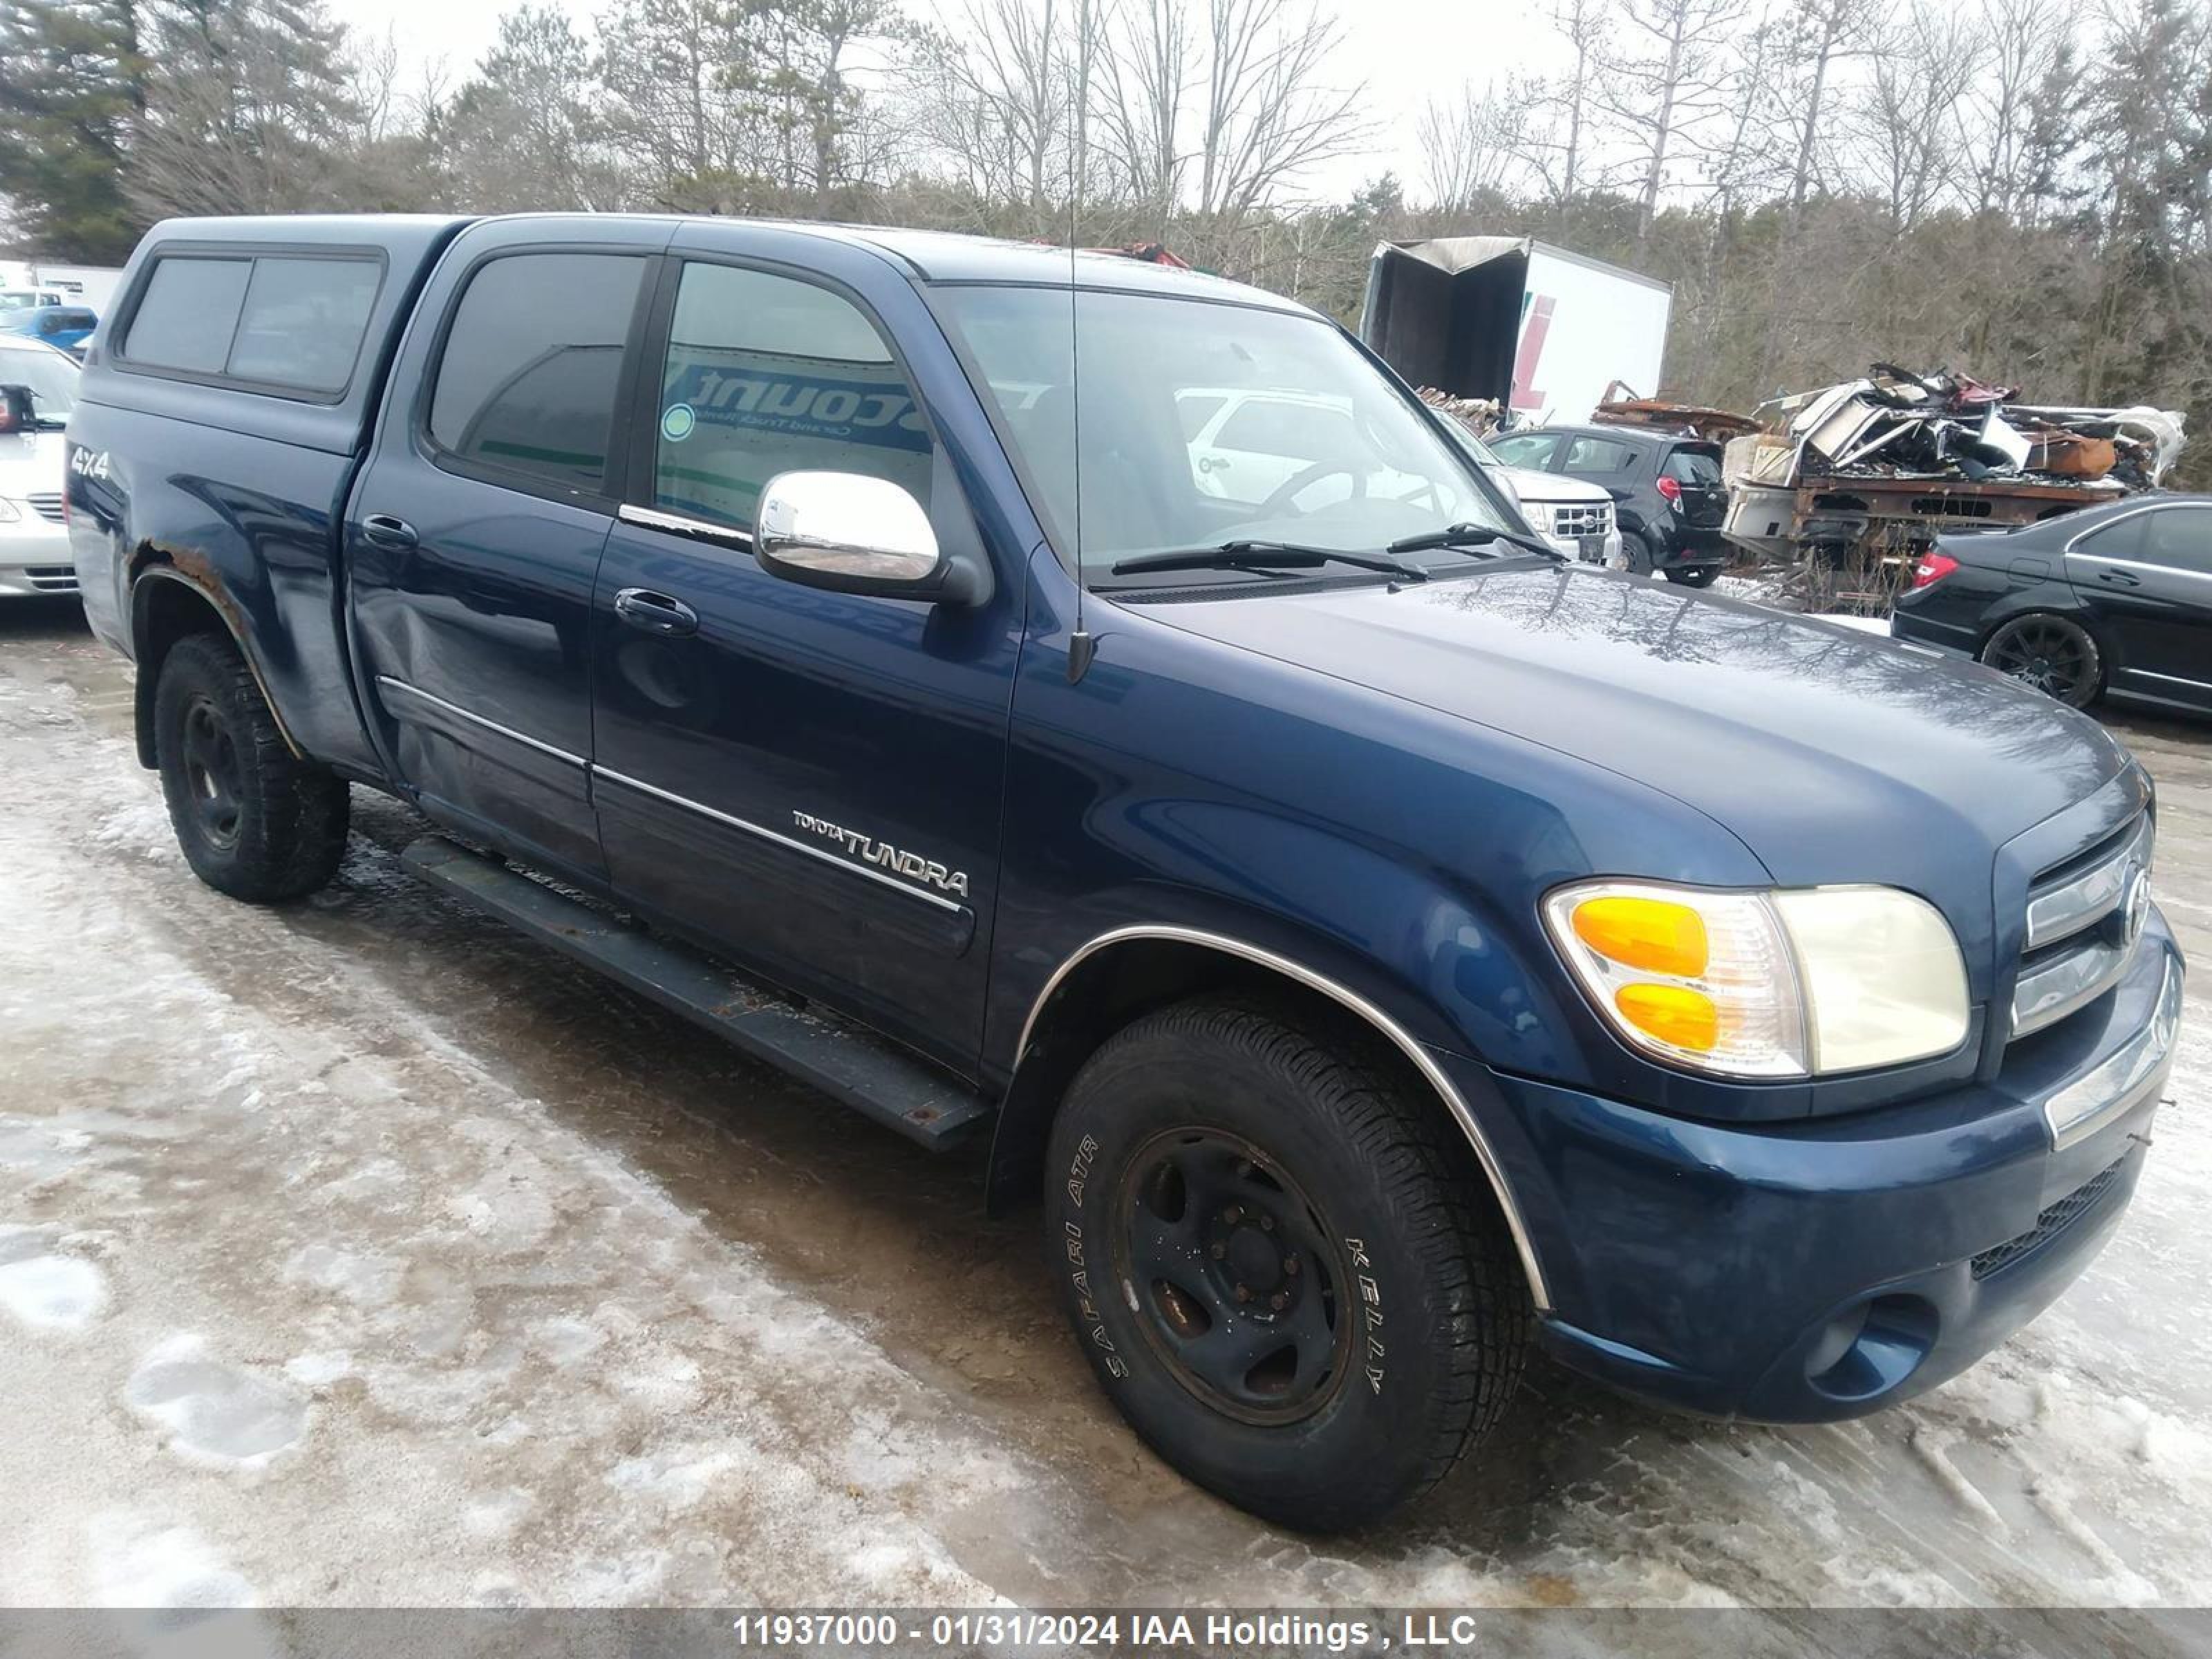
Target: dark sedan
x: 2116, y: 599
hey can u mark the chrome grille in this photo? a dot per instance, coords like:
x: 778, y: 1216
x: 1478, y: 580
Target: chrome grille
x: 1582, y: 518
x: 2084, y: 918
x: 47, y: 504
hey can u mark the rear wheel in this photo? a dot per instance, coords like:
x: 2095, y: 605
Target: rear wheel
x: 2055, y: 656
x: 1636, y: 548
x: 254, y: 820
x: 1291, y: 1288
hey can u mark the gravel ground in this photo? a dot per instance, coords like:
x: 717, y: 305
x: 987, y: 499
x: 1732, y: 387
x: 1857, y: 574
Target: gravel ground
x: 362, y: 1254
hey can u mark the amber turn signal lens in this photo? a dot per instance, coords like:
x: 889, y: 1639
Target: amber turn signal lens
x: 1651, y: 934
x: 1673, y: 1014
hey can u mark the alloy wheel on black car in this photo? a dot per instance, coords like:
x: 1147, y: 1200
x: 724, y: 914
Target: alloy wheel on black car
x: 2050, y: 654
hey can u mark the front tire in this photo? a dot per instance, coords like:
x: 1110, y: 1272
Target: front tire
x: 255, y: 821
x: 2050, y: 654
x: 1291, y: 1286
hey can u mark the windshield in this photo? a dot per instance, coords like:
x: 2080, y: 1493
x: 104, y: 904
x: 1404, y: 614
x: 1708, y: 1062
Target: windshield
x: 50, y: 377
x: 1204, y: 423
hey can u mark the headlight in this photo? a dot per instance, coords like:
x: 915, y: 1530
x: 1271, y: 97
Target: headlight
x: 1783, y: 984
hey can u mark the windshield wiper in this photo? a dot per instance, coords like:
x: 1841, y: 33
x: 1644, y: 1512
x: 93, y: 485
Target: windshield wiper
x: 1266, y: 555
x: 1470, y: 535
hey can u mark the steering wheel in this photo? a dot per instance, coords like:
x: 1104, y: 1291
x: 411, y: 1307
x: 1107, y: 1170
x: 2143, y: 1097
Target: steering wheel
x: 1299, y: 481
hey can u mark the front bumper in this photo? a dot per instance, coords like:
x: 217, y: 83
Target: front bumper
x: 1587, y: 549
x: 1820, y: 1269
x: 34, y: 554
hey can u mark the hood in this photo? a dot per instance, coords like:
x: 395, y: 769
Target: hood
x: 1833, y: 755
x: 30, y: 463
x: 1548, y: 487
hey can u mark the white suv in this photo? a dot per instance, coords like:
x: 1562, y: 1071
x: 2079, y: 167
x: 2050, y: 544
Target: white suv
x: 38, y: 389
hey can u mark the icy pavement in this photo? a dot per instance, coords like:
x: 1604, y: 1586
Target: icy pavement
x: 362, y: 1254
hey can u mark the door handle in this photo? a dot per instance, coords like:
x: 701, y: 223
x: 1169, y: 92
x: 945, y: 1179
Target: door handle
x: 2119, y: 579
x: 387, y: 531
x: 656, y: 613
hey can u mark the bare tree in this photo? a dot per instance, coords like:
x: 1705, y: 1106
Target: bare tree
x: 1909, y: 128
x: 1146, y: 79
x: 1555, y: 138
x: 1665, y: 78
x: 1821, y: 37
x: 1471, y: 144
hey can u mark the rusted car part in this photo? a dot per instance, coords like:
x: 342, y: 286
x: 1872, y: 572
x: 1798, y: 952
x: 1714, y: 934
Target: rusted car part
x: 1622, y: 407
x: 1853, y: 481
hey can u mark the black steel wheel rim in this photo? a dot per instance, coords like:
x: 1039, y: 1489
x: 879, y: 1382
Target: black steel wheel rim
x: 212, y: 773
x: 1233, y: 1275
x: 2052, y: 656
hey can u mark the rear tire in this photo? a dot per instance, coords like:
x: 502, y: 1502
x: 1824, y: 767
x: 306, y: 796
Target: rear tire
x: 254, y: 821
x: 2050, y: 654
x: 1695, y: 575
x: 1290, y: 1285
x: 1636, y: 550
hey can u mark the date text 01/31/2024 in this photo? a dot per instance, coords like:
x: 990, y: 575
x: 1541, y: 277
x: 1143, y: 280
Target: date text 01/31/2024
x: 1021, y: 1628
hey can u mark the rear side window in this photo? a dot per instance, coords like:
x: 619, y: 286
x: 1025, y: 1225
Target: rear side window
x: 1598, y: 455
x: 527, y: 382
x: 294, y: 322
x: 1693, y: 466
x: 2179, y: 538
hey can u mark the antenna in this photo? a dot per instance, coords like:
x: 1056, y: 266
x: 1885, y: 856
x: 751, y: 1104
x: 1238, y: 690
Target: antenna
x: 1080, y: 647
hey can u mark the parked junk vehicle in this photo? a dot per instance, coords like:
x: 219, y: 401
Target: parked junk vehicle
x: 1537, y: 330
x: 1861, y: 477
x: 37, y: 388
x: 1575, y: 517
x: 1381, y: 942
x: 66, y: 328
x: 2116, y: 599
x: 1666, y: 489
x: 1622, y: 407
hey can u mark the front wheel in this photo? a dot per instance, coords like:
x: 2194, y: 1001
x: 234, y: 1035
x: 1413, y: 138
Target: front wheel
x: 2053, y: 655
x: 254, y: 820
x: 1695, y: 575
x: 1293, y: 1288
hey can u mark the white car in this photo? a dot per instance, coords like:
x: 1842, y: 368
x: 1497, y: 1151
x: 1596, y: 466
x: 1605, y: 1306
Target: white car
x: 1245, y: 444
x: 37, y: 388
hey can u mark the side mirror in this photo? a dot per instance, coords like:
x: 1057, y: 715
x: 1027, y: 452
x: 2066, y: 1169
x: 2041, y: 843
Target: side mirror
x: 851, y: 533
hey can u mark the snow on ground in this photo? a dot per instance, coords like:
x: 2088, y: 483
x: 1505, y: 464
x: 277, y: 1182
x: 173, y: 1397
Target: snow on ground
x: 362, y: 1253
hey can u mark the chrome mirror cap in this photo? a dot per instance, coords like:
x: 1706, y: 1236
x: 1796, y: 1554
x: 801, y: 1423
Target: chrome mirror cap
x: 849, y: 531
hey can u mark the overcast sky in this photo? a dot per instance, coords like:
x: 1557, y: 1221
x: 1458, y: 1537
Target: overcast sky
x: 1403, y: 51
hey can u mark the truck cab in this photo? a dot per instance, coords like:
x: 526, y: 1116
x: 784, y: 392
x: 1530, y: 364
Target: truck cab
x: 1377, y: 944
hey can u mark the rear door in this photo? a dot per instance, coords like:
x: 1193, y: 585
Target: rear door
x: 2147, y: 576
x: 475, y: 534
x: 1696, y: 470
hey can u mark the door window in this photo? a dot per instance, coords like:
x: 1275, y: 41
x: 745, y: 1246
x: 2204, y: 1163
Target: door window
x: 1531, y: 450
x: 1597, y: 455
x: 526, y: 386
x: 767, y: 375
x: 2179, y: 538
x: 2122, y: 538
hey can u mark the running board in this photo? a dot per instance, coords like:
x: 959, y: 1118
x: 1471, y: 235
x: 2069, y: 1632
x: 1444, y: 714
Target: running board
x: 865, y: 1072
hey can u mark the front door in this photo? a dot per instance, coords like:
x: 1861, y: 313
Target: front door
x: 808, y: 781
x: 475, y: 535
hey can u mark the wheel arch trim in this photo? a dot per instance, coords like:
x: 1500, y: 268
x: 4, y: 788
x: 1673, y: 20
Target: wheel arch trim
x: 1404, y: 1041
x: 162, y: 571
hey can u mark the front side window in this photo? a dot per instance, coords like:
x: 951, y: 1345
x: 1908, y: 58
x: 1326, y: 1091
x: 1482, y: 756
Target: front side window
x: 764, y: 374
x: 533, y: 361
x: 1316, y: 446
x: 2179, y: 538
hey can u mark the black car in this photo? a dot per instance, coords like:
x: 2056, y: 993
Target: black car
x: 1670, y: 502
x: 2114, y: 598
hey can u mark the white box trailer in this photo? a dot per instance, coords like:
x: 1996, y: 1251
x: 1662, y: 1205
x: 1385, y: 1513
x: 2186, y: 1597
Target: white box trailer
x: 1539, y: 330
x: 78, y: 285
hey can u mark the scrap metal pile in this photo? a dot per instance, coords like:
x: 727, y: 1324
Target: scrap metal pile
x: 1897, y: 424
x: 1481, y: 415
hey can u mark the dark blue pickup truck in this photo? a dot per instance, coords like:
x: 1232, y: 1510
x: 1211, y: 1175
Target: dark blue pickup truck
x: 1381, y: 944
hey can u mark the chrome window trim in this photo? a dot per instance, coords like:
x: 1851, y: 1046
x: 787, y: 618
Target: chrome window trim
x: 867, y: 872
x: 474, y: 718
x: 678, y: 524
x: 2081, y: 536
x: 2117, y: 1084
x: 1403, y: 1040
x: 2170, y: 679
x: 2064, y: 910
